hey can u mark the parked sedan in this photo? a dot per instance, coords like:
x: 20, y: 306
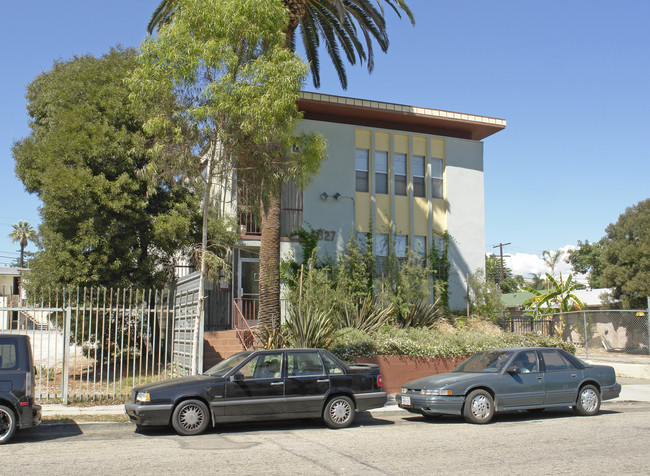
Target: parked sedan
x: 512, y: 379
x: 261, y: 385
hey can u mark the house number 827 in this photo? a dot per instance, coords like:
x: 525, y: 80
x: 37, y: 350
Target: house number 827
x: 324, y: 235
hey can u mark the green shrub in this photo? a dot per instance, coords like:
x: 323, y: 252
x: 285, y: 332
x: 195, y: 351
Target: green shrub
x: 422, y: 342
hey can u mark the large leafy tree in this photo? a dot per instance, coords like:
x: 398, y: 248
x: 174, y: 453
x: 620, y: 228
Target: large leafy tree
x: 626, y: 256
x: 339, y: 24
x: 22, y: 234
x: 493, y: 272
x: 587, y: 258
x: 99, y: 221
x: 236, y: 88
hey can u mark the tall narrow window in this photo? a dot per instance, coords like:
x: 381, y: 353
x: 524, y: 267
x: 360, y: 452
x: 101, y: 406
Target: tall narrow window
x: 401, y: 244
x: 399, y: 170
x: 419, y: 248
x: 381, y: 253
x: 362, y: 156
x: 417, y: 166
x: 436, y: 178
x: 381, y: 171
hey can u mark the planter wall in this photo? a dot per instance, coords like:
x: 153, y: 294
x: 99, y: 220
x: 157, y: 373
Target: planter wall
x: 396, y: 370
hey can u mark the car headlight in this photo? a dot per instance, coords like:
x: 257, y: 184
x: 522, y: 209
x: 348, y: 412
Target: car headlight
x: 405, y: 390
x: 142, y: 397
x: 435, y: 391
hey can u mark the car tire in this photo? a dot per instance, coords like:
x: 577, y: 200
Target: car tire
x: 7, y: 424
x: 190, y: 417
x: 339, y: 412
x: 588, y: 402
x: 479, y: 407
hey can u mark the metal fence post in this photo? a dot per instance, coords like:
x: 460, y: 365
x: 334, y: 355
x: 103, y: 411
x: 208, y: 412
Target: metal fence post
x: 66, y: 353
x: 648, y: 317
x: 584, y: 319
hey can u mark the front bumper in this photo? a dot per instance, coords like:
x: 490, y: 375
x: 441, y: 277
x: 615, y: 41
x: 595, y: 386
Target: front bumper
x: 149, y: 415
x: 417, y: 403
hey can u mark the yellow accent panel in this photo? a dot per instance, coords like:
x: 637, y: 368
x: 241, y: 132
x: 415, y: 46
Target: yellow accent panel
x: 402, y: 216
x: 420, y: 216
x: 439, y: 215
x: 401, y: 143
x: 382, y: 141
x: 420, y: 146
x: 362, y: 139
x: 362, y: 212
x: 438, y: 148
x: 382, y: 215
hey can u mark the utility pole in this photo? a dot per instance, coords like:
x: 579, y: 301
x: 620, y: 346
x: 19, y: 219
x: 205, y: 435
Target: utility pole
x: 500, y: 246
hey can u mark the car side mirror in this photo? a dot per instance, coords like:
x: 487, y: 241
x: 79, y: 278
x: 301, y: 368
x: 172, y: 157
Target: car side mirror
x: 238, y: 377
x: 513, y: 369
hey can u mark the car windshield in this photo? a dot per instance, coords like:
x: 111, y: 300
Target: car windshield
x: 226, y: 365
x: 490, y: 361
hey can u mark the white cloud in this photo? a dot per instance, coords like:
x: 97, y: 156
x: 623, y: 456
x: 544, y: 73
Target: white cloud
x: 528, y: 264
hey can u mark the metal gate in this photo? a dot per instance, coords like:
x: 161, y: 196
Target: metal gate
x: 98, y: 343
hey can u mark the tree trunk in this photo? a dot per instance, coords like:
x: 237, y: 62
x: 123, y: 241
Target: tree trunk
x: 269, y: 311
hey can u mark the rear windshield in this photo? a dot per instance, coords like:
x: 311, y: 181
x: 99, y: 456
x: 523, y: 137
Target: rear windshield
x: 489, y: 361
x: 8, y: 359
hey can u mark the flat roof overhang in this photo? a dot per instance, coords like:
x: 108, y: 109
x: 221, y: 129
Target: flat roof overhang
x: 362, y: 112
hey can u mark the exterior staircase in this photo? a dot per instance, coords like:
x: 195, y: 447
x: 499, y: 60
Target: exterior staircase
x: 217, y: 345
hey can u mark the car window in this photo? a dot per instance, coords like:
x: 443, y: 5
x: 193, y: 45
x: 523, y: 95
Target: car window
x: 263, y: 366
x: 333, y: 367
x: 226, y: 365
x: 8, y: 356
x: 490, y: 361
x: 527, y: 361
x: 556, y: 361
x: 302, y: 364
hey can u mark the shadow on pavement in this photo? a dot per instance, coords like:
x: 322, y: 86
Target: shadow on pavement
x: 67, y: 429
x: 362, y: 419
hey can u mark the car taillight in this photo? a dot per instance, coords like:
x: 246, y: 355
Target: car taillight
x: 379, y: 381
x: 28, y: 385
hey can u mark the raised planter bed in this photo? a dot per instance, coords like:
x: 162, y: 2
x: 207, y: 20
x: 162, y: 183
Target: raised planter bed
x: 396, y: 370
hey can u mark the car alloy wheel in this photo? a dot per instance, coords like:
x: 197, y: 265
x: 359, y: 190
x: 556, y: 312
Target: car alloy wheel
x: 190, y: 417
x: 339, y: 412
x: 588, y: 402
x: 479, y: 407
x: 7, y: 424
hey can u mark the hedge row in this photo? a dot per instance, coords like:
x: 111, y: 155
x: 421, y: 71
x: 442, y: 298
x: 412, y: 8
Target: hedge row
x: 425, y: 342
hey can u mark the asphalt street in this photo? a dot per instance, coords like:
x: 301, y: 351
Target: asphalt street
x: 390, y: 442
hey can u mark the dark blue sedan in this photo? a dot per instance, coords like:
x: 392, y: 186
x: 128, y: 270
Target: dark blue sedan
x: 512, y: 379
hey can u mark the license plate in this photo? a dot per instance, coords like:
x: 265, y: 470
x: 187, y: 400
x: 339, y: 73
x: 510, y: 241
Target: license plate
x: 406, y: 401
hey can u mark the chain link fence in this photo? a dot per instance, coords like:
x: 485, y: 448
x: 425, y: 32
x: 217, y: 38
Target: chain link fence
x: 615, y: 331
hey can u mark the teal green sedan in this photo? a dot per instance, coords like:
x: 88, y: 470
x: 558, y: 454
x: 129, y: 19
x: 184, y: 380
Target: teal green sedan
x: 512, y: 379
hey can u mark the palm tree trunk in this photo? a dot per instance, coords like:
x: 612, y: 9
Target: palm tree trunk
x: 269, y: 311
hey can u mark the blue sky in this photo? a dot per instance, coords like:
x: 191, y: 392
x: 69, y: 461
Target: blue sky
x: 570, y: 77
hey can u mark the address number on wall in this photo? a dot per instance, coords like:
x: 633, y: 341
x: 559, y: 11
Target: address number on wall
x: 324, y: 235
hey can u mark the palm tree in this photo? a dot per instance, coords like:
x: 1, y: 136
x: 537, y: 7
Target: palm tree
x: 23, y: 233
x: 339, y: 24
x: 552, y: 259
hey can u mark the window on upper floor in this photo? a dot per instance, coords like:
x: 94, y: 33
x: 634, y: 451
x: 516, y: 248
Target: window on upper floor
x: 436, y: 178
x: 362, y: 170
x: 418, y: 170
x: 399, y: 172
x: 381, y: 171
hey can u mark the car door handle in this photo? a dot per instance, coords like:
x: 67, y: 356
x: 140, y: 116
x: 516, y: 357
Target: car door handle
x: 574, y: 375
x: 539, y: 379
x: 276, y: 383
x: 323, y: 380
